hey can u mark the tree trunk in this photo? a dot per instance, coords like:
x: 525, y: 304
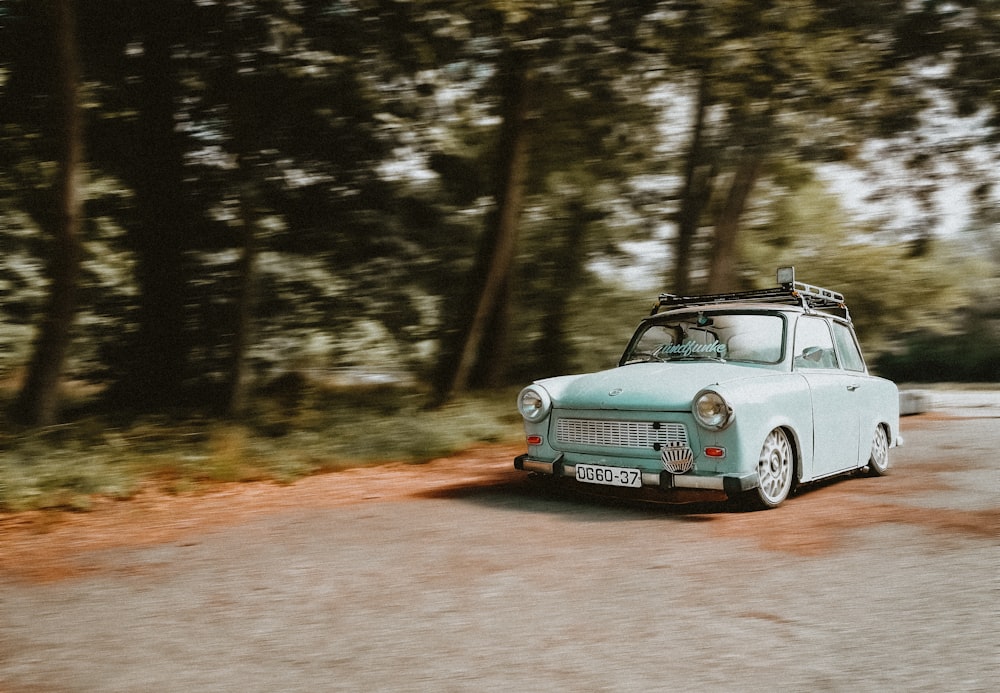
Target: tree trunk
x: 238, y: 380
x: 38, y: 400
x: 555, y: 348
x: 490, y: 367
x: 490, y: 274
x: 699, y: 179
x: 155, y: 377
x: 722, y: 265
x: 236, y: 95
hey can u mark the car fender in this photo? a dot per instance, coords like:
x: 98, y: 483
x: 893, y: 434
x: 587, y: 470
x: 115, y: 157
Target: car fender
x: 882, y: 408
x: 761, y: 405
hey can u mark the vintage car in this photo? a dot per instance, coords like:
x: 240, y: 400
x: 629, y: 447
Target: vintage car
x: 742, y: 395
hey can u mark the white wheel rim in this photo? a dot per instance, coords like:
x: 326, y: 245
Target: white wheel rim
x: 880, y: 449
x: 775, y: 467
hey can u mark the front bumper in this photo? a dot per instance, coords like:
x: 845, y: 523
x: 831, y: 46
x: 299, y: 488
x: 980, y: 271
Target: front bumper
x: 731, y: 485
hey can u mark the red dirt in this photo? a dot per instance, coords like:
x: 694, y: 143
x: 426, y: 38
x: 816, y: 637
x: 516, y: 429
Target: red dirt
x: 48, y: 545
x: 42, y: 545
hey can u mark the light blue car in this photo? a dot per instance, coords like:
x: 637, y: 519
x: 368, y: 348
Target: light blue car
x: 740, y: 395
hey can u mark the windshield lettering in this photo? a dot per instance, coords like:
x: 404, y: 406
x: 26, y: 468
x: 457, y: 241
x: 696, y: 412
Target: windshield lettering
x: 692, y: 347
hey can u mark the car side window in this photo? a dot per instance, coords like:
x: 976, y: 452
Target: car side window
x: 847, y: 345
x: 813, y: 344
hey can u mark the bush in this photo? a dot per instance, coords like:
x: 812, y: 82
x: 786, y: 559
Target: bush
x: 943, y: 358
x: 281, y: 439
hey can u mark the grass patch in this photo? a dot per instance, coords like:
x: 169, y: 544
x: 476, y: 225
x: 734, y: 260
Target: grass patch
x: 280, y: 439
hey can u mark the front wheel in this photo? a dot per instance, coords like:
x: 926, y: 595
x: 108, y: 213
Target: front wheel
x: 878, y: 462
x: 775, y: 470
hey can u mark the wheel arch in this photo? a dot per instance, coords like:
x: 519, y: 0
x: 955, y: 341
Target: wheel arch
x: 891, y: 431
x: 793, y: 437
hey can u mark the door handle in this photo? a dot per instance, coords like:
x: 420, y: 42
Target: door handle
x: 853, y: 387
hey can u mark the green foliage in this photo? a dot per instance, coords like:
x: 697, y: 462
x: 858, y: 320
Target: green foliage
x: 965, y: 348
x: 291, y: 433
x: 971, y: 355
x: 888, y: 290
x: 355, y: 141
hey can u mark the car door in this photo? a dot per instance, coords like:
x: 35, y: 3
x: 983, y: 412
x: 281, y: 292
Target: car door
x: 835, y: 398
x: 868, y: 391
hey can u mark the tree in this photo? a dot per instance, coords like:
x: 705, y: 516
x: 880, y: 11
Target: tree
x: 154, y: 161
x: 236, y: 388
x: 499, y: 241
x: 38, y: 400
x: 700, y: 170
x: 548, y: 52
x: 764, y: 72
x: 226, y: 119
x: 293, y: 181
x: 722, y: 265
x: 953, y: 49
x: 888, y: 291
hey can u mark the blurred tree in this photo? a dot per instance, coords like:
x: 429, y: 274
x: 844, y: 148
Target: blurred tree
x: 380, y: 184
x: 553, y: 350
x: 247, y: 130
x: 548, y: 55
x: 964, y: 344
x: 38, y: 401
x: 778, y: 80
x: 245, y: 216
x: 700, y: 169
x: 153, y: 161
x: 491, y: 273
x: 887, y: 291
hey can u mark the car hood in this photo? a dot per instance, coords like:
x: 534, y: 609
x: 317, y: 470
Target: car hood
x: 644, y: 386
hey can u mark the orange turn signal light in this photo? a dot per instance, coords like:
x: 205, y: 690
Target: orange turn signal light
x: 715, y: 452
x: 534, y: 440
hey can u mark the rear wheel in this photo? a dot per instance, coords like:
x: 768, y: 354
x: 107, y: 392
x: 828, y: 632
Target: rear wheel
x: 775, y: 470
x: 878, y: 462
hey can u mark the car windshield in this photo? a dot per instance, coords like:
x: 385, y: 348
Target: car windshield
x: 750, y: 337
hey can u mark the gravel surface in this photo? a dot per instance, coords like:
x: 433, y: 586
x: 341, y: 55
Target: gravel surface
x: 461, y: 575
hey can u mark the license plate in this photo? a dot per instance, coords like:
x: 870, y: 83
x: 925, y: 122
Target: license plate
x: 609, y: 476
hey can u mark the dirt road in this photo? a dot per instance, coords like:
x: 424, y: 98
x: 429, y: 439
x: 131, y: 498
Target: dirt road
x: 461, y: 576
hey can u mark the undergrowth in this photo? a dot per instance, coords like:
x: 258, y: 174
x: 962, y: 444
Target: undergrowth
x: 280, y: 439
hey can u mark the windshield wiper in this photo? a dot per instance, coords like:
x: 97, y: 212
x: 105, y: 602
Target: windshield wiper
x: 645, y: 358
x: 682, y: 357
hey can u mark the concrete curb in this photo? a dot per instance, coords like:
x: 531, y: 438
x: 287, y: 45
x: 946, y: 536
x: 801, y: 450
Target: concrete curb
x: 913, y: 402
x: 984, y: 404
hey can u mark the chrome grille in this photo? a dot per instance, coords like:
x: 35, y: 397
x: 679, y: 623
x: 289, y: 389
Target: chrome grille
x: 619, y: 434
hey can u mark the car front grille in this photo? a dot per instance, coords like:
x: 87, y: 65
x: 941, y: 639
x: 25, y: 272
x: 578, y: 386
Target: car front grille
x: 619, y: 434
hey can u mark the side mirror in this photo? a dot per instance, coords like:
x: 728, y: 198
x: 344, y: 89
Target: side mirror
x: 813, y: 353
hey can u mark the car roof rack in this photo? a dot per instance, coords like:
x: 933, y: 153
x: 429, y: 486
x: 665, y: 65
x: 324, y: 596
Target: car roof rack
x: 788, y: 291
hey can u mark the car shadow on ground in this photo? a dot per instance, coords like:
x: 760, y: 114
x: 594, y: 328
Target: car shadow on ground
x: 551, y: 496
x: 547, y: 495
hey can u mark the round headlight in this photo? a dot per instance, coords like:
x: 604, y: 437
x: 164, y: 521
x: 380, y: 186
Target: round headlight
x: 533, y: 403
x: 711, y: 410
